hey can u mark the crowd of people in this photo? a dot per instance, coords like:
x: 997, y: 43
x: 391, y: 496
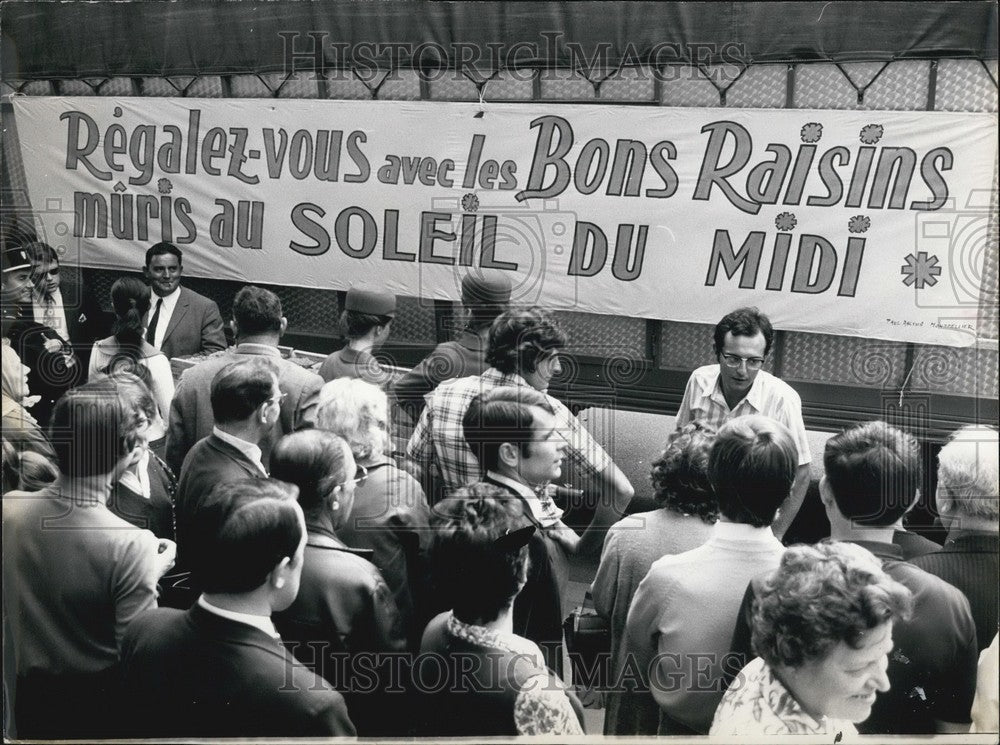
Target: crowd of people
x: 244, y: 552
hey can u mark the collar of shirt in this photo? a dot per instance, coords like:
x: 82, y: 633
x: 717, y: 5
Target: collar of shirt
x: 528, y: 495
x: 498, y: 378
x: 166, y: 311
x: 882, y: 550
x: 248, y: 347
x: 711, y: 387
x: 350, y: 355
x: 481, y: 636
x: 138, y: 480
x: 743, y: 533
x: 264, y: 623
x: 251, y: 451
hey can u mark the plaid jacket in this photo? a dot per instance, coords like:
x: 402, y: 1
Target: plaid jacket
x: 439, y: 435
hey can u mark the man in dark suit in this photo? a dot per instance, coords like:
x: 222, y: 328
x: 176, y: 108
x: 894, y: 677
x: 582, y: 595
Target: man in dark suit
x: 181, y: 322
x: 245, y: 403
x: 245, y: 400
x: 259, y: 324
x: 62, y: 303
x: 219, y: 669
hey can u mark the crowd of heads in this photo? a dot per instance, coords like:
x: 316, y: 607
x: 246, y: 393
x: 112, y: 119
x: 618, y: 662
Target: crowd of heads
x: 249, y: 536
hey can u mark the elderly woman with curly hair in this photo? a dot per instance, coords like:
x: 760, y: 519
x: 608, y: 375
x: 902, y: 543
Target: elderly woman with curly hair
x: 822, y: 627
x: 688, y: 509
x: 390, y: 515
x: 479, y: 678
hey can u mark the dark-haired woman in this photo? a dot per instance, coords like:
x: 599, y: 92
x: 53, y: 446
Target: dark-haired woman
x: 143, y: 493
x: 480, y: 678
x: 127, y: 351
x: 688, y: 509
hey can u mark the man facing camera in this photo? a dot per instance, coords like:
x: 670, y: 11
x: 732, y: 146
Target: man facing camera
x: 738, y: 386
x: 219, y: 669
x: 181, y: 322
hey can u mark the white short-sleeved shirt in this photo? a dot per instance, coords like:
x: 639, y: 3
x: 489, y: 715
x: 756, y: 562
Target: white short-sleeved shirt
x: 768, y: 396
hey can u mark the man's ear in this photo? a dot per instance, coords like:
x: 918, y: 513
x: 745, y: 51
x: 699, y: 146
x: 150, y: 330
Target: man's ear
x: 277, y: 576
x: 282, y: 326
x: 510, y: 454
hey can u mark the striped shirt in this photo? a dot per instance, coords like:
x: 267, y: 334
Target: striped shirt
x: 768, y: 396
x: 440, y: 436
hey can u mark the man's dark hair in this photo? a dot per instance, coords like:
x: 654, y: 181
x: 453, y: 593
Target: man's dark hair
x: 315, y: 460
x: 41, y: 253
x: 239, y: 533
x: 874, y: 472
x: 744, y: 322
x: 501, y: 415
x: 92, y: 428
x: 520, y: 337
x: 752, y: 468
x: 257, y: 311
x: 163, y: 247
x: 242, y: 387
x: 354, y: 325
x: 474, y: 574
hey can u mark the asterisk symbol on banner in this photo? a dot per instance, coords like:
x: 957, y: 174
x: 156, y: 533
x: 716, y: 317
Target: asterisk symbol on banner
x: 470, y: 202
x: 920, y: 270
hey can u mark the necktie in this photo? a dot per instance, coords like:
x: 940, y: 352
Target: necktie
x: 151, y: 329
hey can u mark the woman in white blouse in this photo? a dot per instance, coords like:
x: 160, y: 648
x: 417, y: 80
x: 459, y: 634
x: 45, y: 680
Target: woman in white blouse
x: 127, y: 351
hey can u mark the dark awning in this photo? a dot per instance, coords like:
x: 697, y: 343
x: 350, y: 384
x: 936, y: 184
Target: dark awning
x: 195, y: 37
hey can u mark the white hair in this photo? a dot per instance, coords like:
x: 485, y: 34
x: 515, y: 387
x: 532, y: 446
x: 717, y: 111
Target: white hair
x: 357, y: 411
x: 968, y: 482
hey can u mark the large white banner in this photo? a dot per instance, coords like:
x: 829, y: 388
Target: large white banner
x: 866, y: 223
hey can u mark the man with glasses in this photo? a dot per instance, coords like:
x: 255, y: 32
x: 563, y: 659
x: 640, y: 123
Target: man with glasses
x: 258, y: 323
x: 738, y: 386
x: 62, y: 303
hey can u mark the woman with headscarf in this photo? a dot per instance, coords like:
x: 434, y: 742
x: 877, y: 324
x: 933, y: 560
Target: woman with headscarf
x: 20, y: 428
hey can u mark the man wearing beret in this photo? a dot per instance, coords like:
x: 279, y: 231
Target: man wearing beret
x: 484, y: 297
x: 365, y: 323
